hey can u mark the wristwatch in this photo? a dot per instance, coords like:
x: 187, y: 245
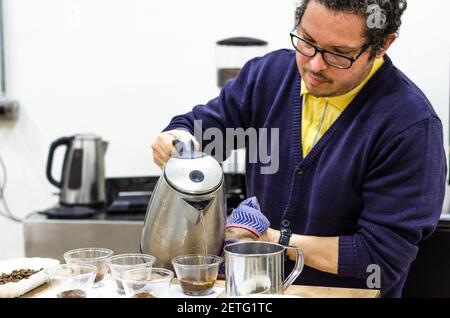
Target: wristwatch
x: 285, y: 233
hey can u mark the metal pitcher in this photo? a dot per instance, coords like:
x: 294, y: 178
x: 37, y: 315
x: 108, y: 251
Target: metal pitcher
x: 254, y: 267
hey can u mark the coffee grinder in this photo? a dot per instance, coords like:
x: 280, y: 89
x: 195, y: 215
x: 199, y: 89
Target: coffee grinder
x: 231, y: 55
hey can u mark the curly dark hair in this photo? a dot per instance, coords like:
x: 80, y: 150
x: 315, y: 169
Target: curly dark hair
x: 383, y: 17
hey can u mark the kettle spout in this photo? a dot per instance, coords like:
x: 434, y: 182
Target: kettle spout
x: 196, y: 208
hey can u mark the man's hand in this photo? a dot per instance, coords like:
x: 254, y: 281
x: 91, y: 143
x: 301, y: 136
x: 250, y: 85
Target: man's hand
x: 163, y: 145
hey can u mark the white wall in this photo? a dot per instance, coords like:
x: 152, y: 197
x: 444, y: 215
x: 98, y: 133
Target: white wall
x: 122, y: 69
x: 423, y: 52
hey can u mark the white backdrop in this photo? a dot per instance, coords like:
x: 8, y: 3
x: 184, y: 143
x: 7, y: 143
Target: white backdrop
x: 123, y: 68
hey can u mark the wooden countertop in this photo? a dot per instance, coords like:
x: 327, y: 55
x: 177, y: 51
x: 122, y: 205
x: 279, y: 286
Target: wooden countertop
x: 297, y: 290
x: 323, y: 292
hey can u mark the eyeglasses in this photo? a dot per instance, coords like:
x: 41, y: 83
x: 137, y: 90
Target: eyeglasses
x: 333, y: 59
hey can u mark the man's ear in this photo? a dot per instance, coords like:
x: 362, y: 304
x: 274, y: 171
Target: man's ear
x: 389, y: 40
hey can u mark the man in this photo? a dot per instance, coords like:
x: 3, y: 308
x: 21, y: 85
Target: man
x: 362, y: 165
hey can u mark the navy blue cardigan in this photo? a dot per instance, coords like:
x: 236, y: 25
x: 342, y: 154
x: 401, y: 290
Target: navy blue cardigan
x: 376, y: 178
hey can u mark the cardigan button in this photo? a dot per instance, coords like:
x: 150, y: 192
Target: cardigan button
x: 285, y: 223
x: 300, y: 172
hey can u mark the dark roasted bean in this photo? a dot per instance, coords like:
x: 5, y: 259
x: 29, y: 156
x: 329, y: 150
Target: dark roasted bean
x: 17, y: 275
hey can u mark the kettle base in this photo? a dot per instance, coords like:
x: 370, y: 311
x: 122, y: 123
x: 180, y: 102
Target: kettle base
x: 66, y: 212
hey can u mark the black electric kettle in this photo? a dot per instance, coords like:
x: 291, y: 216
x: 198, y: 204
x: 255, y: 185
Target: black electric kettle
x: 83, y: 174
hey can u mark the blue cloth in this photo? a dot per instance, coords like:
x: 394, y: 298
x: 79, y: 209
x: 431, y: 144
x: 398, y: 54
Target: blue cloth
x: 376, y: 178
x: 248, y: 215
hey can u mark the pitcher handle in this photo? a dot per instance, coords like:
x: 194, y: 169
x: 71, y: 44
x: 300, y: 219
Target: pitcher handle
x: 299, y: 262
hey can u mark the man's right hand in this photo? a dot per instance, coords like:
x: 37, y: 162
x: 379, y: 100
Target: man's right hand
x: 163, y: 145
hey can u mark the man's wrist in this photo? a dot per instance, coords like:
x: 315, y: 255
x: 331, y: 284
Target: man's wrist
x: 270, y: 235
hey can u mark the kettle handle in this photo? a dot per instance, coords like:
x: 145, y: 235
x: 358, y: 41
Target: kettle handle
x: 299, y: 262
x: 59, y: 142
x: 184, y: 148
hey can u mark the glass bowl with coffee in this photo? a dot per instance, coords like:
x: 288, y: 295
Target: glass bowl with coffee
x: 71, y: 280
x: 147, y: 282
x: 91, y: 256
x: 196, y: 273
x: 118, y: 264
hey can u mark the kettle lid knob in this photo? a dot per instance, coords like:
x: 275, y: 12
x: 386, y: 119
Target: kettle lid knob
x: 196, y: 176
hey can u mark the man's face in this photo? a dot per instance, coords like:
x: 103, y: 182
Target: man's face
x: 337, y: 32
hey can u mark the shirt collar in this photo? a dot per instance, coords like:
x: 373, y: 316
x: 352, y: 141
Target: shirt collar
x: 342, y: 101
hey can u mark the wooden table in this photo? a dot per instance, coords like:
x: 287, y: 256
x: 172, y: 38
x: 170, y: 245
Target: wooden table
x: 323, y: 292
x: 297, y: 290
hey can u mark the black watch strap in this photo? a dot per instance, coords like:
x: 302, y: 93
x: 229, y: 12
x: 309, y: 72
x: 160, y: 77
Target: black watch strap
x: 285, y: 233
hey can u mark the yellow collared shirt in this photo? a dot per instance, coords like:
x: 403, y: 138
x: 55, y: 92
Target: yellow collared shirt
x: 314, y: 107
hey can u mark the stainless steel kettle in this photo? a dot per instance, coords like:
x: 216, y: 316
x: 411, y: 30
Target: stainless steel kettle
x: 187, y: 211
x: 83, y: 173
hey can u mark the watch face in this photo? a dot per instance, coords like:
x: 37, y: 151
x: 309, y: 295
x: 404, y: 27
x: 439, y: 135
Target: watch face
x: 285, y: 236
x: 284, y: 240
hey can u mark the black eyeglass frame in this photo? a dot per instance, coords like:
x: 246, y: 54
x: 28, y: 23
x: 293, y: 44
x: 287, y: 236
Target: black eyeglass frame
x: 352, y: 59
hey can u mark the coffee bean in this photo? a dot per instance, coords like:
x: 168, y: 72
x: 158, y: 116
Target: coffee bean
x: 17, y: 275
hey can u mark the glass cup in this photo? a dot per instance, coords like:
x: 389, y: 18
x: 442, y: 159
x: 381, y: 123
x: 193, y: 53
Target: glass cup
x: 91, y: 256
x: 118, y: 264
x: 147, y: 282
x: 196, y: 273
x: 71, y: 280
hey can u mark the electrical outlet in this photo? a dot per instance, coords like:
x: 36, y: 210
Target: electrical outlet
x: 9, y: 109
